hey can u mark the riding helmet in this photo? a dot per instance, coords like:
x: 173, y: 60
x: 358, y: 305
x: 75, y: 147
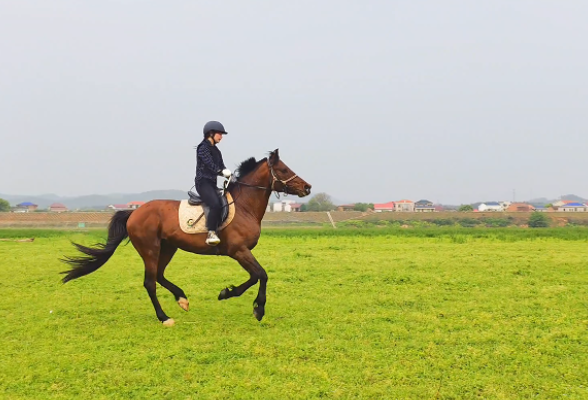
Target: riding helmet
x: 214, y: 126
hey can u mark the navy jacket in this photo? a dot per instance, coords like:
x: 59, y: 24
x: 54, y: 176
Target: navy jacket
x: 209, y: 162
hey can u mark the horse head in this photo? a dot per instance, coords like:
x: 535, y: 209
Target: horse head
x: 284, y: 179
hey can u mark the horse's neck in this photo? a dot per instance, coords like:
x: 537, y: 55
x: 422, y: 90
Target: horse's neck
x: 254, y: 199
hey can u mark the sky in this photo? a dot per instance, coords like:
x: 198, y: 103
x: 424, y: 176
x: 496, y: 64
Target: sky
x: 450, y: 101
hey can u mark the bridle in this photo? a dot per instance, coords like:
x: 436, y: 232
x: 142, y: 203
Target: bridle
x: 274, y: 178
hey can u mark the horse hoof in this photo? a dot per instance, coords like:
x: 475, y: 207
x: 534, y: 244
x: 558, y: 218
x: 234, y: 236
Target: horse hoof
x: 184, y: 303
x: 169, y: 322
x: 224, y: 294
x: 258, y: 313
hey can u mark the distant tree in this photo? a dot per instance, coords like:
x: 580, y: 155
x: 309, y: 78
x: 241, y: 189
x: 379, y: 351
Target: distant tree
x: 4, y: 205
x: 465, y: 208
x: 321, y: 202
x: 548, y: 205
x: 303, y: 207
x: 538, y: 220
x: 363, y: 206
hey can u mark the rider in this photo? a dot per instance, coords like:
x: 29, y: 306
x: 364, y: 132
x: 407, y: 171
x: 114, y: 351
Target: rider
x: 209, y: 165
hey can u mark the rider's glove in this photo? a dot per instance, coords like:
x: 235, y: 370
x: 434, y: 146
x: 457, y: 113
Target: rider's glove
x: 226, y: 173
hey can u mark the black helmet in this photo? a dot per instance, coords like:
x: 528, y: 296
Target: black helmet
x: 214, y: 126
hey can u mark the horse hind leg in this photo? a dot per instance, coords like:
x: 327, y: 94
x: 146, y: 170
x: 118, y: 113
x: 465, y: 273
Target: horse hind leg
x: 165, y: 255
x: 150, y: 283
x: 150, y: 255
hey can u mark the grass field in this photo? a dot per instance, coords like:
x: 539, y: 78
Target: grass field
x: 373, y: 313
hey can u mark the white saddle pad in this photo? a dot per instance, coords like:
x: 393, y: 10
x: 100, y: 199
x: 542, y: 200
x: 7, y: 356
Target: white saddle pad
x: 193, y: 221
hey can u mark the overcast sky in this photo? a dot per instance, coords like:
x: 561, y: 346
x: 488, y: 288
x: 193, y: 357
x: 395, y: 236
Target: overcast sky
x: 451, y: 101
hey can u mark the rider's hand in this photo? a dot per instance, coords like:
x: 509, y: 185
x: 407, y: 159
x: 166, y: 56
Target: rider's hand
x: 226, y: 173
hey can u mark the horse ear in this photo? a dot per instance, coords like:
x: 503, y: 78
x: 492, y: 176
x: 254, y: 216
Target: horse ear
x: 274, y: 157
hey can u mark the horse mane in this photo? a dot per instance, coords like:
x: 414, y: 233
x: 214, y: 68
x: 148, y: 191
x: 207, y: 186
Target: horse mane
x: 247, y: 166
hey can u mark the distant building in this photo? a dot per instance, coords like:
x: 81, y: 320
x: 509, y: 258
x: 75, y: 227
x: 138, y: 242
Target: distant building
x: 404, y: 206
x: 57, y: 207
x: 384, y: 207
x: 118, y: 207
x: 25, y: 206
x: 135, y: 204
x: 424, y: 206
x: 573, y: 207
x: 561, y: 203
x: 520, y: 207
x: 491, y: 206
x: 283, y: 206
x: 346, y: 207
x: 295, y: 207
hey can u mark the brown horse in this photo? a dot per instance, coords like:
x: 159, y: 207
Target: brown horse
x: 154, y: 231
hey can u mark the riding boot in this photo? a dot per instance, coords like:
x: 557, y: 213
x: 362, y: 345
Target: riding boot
x: 212, y: 239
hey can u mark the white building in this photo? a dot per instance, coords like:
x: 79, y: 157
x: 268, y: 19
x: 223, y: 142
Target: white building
x: 283, y: 206
x: 491, y: 206
x: 573, y: 207
x: 404, y: 206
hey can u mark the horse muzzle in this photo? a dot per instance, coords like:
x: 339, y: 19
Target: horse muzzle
x: 306, y: 191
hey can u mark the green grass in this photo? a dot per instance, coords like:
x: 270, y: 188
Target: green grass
x: 351, y: 313
x: 439, y: 233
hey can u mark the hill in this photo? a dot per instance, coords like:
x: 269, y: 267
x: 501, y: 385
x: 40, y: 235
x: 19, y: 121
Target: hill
x: 571, y: 197
x: 96, y: 201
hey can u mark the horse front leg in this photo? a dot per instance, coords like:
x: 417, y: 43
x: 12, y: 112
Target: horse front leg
x: 256, y: 273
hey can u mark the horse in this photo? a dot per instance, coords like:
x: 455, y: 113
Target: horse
x: 154, y: 231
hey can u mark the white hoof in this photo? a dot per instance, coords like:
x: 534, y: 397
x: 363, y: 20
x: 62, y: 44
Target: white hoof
x: 184, y: 303
x: 169, y: 322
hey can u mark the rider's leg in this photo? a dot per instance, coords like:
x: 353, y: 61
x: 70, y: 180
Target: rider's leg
x: 209, y: 194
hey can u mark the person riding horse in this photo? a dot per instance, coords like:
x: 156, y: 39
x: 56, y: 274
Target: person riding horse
x: 153, y: 231
x: 209, y: 165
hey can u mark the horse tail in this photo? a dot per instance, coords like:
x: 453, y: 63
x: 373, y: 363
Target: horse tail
x: 97, y: 255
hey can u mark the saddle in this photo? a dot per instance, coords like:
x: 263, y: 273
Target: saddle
x: 193, y: 213
x: 195, y: 200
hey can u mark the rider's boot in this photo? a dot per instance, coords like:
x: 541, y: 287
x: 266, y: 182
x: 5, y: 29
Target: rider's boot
x: 212, y: 239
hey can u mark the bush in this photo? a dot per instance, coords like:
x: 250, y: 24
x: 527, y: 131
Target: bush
x: 363, y: 206
x: 442, y: 222
x: 538, y: 220
x: 354, y: 224
x: 419, y: 224
x: 496, y: 222
x: 577, y: 222
x: 468, y: 222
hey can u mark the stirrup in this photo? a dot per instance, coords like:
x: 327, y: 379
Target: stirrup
x: 212, y: 239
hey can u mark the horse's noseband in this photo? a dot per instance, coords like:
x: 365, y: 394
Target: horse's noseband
x: 283, y: 182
